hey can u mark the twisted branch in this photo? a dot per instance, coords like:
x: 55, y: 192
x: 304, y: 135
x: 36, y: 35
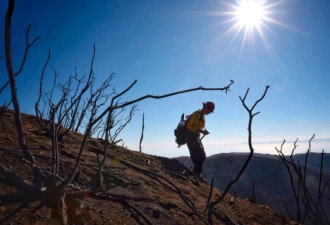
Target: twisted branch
x: 232, y: 182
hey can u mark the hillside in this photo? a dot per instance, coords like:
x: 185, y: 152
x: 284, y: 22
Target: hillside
x: 271, y: 180
x: 138, y: 188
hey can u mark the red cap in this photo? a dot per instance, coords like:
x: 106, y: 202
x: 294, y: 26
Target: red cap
x: 209, y: 105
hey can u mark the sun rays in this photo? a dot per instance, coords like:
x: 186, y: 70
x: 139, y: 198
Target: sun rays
x: 250, y: 14
x: 249, y: 20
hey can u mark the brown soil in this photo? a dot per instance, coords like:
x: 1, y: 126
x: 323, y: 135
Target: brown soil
x: 137, y: 190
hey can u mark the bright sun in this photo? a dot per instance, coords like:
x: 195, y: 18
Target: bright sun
x: 250, y: 13
x: 250, y: 20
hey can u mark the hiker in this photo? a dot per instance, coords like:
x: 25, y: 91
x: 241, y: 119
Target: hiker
x: 195, y: 126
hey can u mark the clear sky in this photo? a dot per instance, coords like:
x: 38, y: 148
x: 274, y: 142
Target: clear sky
x: 174, y: 45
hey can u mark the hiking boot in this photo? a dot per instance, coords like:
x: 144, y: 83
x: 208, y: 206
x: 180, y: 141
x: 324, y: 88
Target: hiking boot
x: 194, y: 180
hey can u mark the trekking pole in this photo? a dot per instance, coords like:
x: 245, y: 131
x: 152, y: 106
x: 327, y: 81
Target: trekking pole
x: 204, y: 136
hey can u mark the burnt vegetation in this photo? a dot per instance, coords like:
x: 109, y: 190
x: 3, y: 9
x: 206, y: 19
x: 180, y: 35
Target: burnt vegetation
x: 68, y: 156
x: 310, y: 202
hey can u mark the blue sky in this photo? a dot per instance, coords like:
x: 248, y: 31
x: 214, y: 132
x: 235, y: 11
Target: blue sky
x: 179, y: 44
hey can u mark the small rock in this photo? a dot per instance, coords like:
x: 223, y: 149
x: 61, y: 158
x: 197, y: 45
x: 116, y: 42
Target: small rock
x: 156, y: 213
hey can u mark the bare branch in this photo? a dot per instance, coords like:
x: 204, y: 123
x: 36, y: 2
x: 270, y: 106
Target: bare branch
x: 260, y: 99
x: 96, y: 100
x: 306, y: 156
x: 210, y: 195
x: 246, y: 93
x: 11, y: 75
x: 55, y: 156
x: 232, y: 182
x: 36, y: 105
x: 309, y: 206
x: 226, y: 88
x: 68, y: 181
x: 127, y: 121
x: 176, y: 93
x: 28, y: 45
x: 140, y: 147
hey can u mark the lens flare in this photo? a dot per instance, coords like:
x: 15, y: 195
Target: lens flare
x: 251, y: 21
x: 250, y: 13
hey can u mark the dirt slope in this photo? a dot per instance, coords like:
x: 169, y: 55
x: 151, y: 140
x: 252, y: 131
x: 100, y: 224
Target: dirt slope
x: 138, y: 189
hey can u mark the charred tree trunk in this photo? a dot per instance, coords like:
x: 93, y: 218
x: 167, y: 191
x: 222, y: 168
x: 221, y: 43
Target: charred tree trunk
x: 52, y: 196
x: 13, y: 88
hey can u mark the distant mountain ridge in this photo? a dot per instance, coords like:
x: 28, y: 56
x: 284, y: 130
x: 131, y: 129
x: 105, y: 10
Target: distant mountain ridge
x: 271, y: 179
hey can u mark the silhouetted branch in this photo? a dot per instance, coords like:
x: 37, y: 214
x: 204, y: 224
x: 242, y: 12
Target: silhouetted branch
x: 96, y: 100
x: 309, y: 209
x: 76, y: 100
x: 306, y: 156
x: 68, y: 181
x: 287, y: 164
x: 210, y: 195
x: 141, y: 138
x: 39, y: 114
x: 28, y: 45
x: 253, y: 197
x: 11, y: 75
x: 121, y: 125
x: 55, y: 156
x: 232, y: 182
x: 226, y: 88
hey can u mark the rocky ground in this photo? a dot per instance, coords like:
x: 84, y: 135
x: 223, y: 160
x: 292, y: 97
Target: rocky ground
x: 138, y: 188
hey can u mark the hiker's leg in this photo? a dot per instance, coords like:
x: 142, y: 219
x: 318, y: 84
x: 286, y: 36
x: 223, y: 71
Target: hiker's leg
x: 197, y: 153
x: 192, y: 143
x: 200, y: 158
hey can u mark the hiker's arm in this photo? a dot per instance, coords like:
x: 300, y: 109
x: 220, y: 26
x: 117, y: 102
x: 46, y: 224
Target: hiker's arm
x: 205, y: 132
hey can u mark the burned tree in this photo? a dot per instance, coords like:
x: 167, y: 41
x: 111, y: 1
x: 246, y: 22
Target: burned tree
x: 310, y: 204
x: 110, y: 132
x: 232, y: 182
x: 12, y: 80
x: 69, y: 113
x: 68, y: 106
